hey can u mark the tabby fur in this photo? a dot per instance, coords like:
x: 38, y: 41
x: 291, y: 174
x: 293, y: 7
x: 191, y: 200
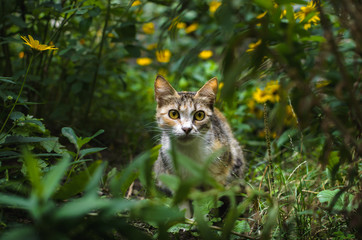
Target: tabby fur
x: 196, y: 139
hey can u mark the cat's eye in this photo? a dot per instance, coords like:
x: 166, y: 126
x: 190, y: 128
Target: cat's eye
x: 199, y: 115
x: 173, y: 114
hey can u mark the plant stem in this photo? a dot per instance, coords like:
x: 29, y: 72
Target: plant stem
x: 267, y: 138
x: 21, y: 90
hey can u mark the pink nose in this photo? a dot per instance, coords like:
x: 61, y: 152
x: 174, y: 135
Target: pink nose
x: 186, y: 129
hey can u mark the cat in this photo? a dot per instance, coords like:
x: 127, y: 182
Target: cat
x: 197, y: 129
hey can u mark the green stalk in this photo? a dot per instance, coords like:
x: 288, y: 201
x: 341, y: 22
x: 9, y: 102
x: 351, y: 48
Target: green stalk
x: 270, y: 161
x: 21, y: 90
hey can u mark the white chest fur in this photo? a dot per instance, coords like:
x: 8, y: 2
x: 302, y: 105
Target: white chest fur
x: 197, y: 150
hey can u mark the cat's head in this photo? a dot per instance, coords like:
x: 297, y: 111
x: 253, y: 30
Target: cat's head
x: 185, y: 116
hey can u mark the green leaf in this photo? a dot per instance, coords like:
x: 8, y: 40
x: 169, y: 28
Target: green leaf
x: 69, y: 133
x: 7, y: 80
x: 285, y: 137
x: 52, y: 144
x: 171, y: 181
x: 205, y: 231
x: 87, y: 151
x: 266, y: 4
x: 14, y: 201
x: 93, y: 183
x: 52, y: 178
x: 327, y: 196
x: 22, y: 139
x: 271, y: 221
x: 82, y: 141
x: 23, y: 232
x: 157, y: 214
x: 122, y: 181
x: 80, y: 207
x: 17, y: 21
x: 242, y: 227
x: 313, y: 38
x: 77, y: 183
x: 16, y: 115
x: 33, y: 172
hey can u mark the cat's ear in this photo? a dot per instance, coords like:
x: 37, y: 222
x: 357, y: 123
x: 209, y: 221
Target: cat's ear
x: 209, y: 90
x: 163, y: 90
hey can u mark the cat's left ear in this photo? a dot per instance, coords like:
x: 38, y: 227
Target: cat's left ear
x: 209, y: 90
x: 163, y: 91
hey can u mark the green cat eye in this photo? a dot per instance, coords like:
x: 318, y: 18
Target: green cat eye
x: 173, y: 114
x: 199, y: 115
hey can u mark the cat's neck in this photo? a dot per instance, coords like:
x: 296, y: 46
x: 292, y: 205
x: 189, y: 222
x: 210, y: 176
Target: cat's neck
x: 197, y: 150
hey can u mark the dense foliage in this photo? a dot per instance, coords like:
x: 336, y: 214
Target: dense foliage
x: 290, y: 86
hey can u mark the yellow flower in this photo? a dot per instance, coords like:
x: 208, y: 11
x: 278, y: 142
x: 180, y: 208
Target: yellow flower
x: 290, y: 118
x: 272, y: 89
x: 284, y: 13
x: 260, y: 96
x: 221, y: 85
x: 322, y: 83
x: 177, y: 24
x: 205, y: 54
x: 254, y: 109
x: 21, y: 54
x: 82, y: 41
x: 251, y: 104
x: 193, y: 27
x: 144, y: 61
x: 34, y: 44
x: 214, y: 5
x: 181, y: 25
x: 261, y: 15
x: 136, y: 3
x: 110, y: 35
x: 252, y: 46
x: 148, y: 28
x: 163, y: 56
x: 304, y: 12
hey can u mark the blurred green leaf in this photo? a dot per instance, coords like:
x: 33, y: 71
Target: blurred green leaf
x: 344, y: 201
x: 23, y: 232
x: 77, y: 183
x: 93, y: 183
x: 33, y: 172
x: 266, y: 4
x: 14, y: 201
x: 52, y: 179
x: 22, y: 139
x: 7, y: 80
x: 17, y: 21
x: 242, y: 227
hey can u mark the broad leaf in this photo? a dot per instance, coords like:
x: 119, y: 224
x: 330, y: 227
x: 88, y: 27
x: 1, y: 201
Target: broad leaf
x: 52, y: 178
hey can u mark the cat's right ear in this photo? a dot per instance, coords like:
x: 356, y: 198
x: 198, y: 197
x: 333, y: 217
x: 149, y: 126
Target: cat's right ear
x: 163, y: 90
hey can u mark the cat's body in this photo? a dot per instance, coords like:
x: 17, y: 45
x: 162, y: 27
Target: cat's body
x: 198, y: 130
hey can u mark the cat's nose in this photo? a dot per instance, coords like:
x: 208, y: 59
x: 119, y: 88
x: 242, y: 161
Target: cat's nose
x: 186, y: 129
